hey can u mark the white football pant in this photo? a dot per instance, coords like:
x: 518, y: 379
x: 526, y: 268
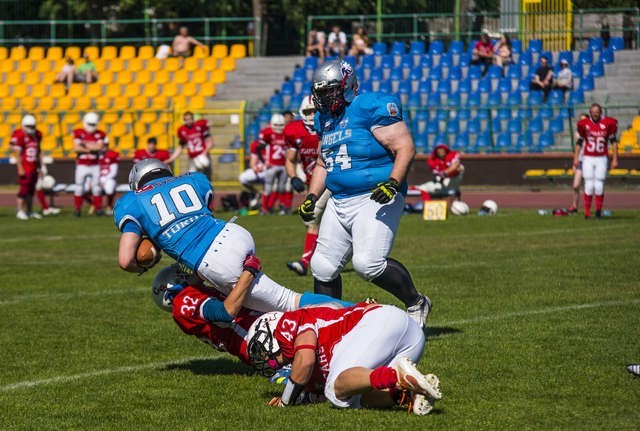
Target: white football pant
x: 594, y: 172
x: 87, y: 174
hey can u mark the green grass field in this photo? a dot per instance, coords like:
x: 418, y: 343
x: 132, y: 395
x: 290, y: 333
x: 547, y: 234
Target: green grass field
x: 534, y: 321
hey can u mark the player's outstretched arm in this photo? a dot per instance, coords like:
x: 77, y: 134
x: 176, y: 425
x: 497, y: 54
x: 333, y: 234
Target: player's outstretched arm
x: 397, y: 138
x: 127, y: 252
x: 251, y: 269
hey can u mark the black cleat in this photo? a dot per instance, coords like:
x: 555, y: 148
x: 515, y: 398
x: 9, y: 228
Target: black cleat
x: 598, y: 214
x: 298, y: 267
x: 77, y: 213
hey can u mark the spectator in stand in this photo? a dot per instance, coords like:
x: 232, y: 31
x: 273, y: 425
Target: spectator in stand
x: 503, y: 52
x: 316, y: 41
x: 605, y: 32
x: 67, y: 74
x: 151, y: 152
x: 86, y: 72
x: 360, y: 43
x: 564, y: 80
x: 628, y: 30
x: 543, y: 78
x: 337, y: 42
x: 483, y: 52
x: 181, y: 46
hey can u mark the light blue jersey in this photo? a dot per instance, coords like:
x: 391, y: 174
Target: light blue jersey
x: 174, y: 212
x: 355, y: 160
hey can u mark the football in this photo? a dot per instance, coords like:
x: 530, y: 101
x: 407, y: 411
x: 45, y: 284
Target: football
x: 459, y: 208
x: 147, y: 254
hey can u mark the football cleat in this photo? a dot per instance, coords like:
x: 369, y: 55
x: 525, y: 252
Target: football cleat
x: 100, y: 213
x: 281, y: 376
x: 51, y: 211
x: 77, y: 213
x: 35, y: 216
x: 21, y: 215
x: 410, y: 378
x: 598, y: 214
x: 420, y: 311
x: 298, y: 267
x: 634, y: 369
x: 422, y: 405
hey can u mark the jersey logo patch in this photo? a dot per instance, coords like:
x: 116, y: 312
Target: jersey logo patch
x: 392, y: 108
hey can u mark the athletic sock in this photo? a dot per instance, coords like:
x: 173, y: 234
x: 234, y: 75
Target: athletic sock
x: 77, y: 202
x: 97, y: 202
x: 599, y: 200
x: 587, y: 204
x: 331, y: 288
x: 396, y: 280
x: 42, y: 199
x: 310, y: 240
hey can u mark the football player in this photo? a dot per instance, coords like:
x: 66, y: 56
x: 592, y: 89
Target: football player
x: 176, y: 214
x: 25, y: 143
x: 275, y: 176
x: 88, y: 143
x: 362, y: 355
x: 597, y: 132
x: 151, y: 151
x: 302, y: 146
x: 254, y: 174
x: 108, y: 172
x: 366, y: 149
x: 196, y: 137
x: 447, y: 171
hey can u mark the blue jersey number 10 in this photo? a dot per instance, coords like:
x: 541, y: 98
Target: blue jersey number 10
x: 177, y: 195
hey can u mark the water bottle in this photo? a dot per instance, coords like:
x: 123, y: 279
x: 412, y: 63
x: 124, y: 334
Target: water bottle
x: 606, y: 213
x: 542, y: 212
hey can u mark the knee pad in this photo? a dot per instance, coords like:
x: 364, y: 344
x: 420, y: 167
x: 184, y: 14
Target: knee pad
x: 598, y: 187
x: 322, y: 269
x: 369, y: 267
x: 589, y: 186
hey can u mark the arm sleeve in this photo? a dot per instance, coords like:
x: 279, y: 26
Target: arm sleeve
x: 385, y: 110
x: 213, y: 310
x: 130, y: 226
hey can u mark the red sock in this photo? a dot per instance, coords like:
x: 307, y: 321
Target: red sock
x: 265, y: 203
x: 42, y: 199
x: 77, y: 202
x: 97, y: 202
x: 599, y: 200
x: 587, y: 204
x: 383, y: 378
x: 287, y: 198
x: 309, y: 247
x: 271, y: 200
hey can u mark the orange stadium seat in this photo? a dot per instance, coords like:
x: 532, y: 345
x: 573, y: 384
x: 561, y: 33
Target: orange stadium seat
x: 13, y: 79
x: 125, y: 144
x: 159, y: 102
x: 158, y: 129
x: 117, y: 129
x: 92, y: 51
x: 103, y: 103
x: 146, y: 52
x: 105, y: 77
x: 228, y: 64
x: 82, y: 103
x: 238, y: 50
x: 143, y: 77
x: 208, y: 89
x: 7, y: 66
x: 31, y: 78
x: 49, y: 78
x: 180, y: 77
x: 95, y: 90
x: 20, y: 90
x: 161, y: 77
x: 139, y: 128
x: 217, y: 76
x: 124, y: 77
x: 201, y: 51
x: 210, y: 63
x: 54, y: 53
x: 109, y: 52
x: 153, y: 64
x: 67, y: 143
x: 122, y: 103
x: 100, y: 64
x: 4, y: 52
x: 172, y: 64
x: 113, y: 90
x: 127, y: 52
x: 46, y: 103
x: 140, y: 102
x: 191, y: 64
x: 25, y: 66
x: 196, y: 102
x: 57, y: 91
x: 110, y: 118
x: 134, y: 65
x: 219, y: 51
x: 132, y: 90
x: 39, y: 90
x: 49, y: 142
x: 73, y: 52
x: 28, y: 103
x: 200, y: 76
x: 147, y: 117
x: 150, y: 90
x: 76, y: 90
x: 189, y: 89
x: 36, y: 53
x: 170, y: 89
x: 636, y: 123
x: 18, y: 53
x: 44, y: 66
x: 116, y: 65
x: 64, y: 103
x: 5, y: 91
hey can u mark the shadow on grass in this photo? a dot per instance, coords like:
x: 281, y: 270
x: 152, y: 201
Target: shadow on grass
x: 432, y: 332
x: 218, y: 366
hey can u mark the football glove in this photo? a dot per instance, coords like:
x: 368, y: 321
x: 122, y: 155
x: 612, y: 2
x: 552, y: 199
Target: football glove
x: 252, y: 264
x: 297, y: 184
x: 385, y: 191
x: 276, y: 402
x: 307, y: 208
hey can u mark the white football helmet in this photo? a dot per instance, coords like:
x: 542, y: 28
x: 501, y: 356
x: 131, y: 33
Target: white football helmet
x: 202, y: 161
x: 459, y: 208
x: 29, y: 124
x: 168, y: 282
x: 277, y: 123
x: 334, y: 86
x: 90, y: 122
x: 146, y: 170
x: 307, y: 111
x: 47, y: 183
x: 262, y: 346
x: 490, y: 207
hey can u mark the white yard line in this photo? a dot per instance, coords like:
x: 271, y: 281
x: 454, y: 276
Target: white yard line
x: 133, y: 368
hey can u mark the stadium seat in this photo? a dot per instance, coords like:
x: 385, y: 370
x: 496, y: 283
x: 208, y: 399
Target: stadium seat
x: 535, y: 125
x: 524, y: 141
x: 545, y: 112
x: 172, y: 64
x: 454, y: 100
x: 597, y: 69
x: 4, y: 52
x: 398, y: 48
x: 92, y: 51
x: 146, y: 52
x: 566, y: 55
x: 446, y: 60
x: 465, y: 59
x: 556, y: 97
x: 496, y: 125
x: 504, y: 114
x: 556, y: 125
x: 504, y: 85
x: 219, y: 51
x: 607, y: 56
x: 435, y: 73
x: 36, y: 53
x: 18, y: 53
x: 514, y: 126
x: 455, y: 73
x: 494, y: 72
x: 475, y: 72
x: 484, y: 85
x: 456, y: 47
x: 228, y: 64
x: 585, y: 57
x: 416, y: 47
x: 535, y: 45
x: 127, y: 52
x: 525, y: 58
x: 444, y: 86
x: 474, y: 126
x: 109, y: 52
x: 474, y: 99
x: 201, y: 51
x: 587, y: 83
x: 495, y: 98
x: 436, y: 47
x: 464, y: 85
x: 545, y: 140
x: 616, y: 43
x: 535, y: 98
x: 238, y: 50
x: 503, y: 141
x: 596, y: 44
x: 461, y: 141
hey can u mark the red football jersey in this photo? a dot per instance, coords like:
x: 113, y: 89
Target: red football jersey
x: 597, y: 135
x: 329, y: 325
x: 142, y: 154
x: 298, y: 137
x: 193, y: 137
x: 260, y: 151
x: 439, y: 165
x: 106, y: 160
x: 274, y: 143
x: 29, y: 147
x: 81, y: 135
x: 226, y: 337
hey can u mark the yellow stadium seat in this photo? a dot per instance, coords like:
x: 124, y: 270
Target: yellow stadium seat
x: 172, y: 64
x: 51, y: 118
x: 159, y: 102
x: 18, y: 53
x: 113, y: 90
x: 116, y: 65
x: 170, y: 89
x: 64, y: 103
x: 534, y: 173
x: 636, y: 123
x: 49, y: 77
x: 217, y: 76
x: 191, y: 64
x: 628, y: 138
x: 57, y: 90
x: 153, y: 64
x: 71, y: 118
x: 140, y: 103
x: 139, y: 128
x: 73, y: 52
x: 201, y: 51
x: 76, y: 90
x: 180, y: 77
x: 200, y: 76
x: 25, y: 66
x: 46, y: 103
x: 196, y: 103
x: 44, y: 66
x: 93, y: 52
x: 20, y: 90
x: 103, y: 103
x: 158, y: 129
x: 146, y: 52
x: 228, y: 64
x: 189, y: 89
x: 27, y: 103
x: 124, y: 77
x: 207, y: 89
x: 110, y: 118
x: 49, y: 142
x: 36, y: 53
x: 132, y: 90
x: 127, y: 52
x: 126, y: 144
x: 210, y: 63
x: 219, y: 51
x: 101, y: 65
x: 39, y: 90
x: 95, y: 90
x: 4, y: 52
x: 135, y: 65
x: 105, y: 77
x: 67, y: 143
x: 163, y: 142
x: 7, y: 66
x: 238, y: 50
x: 109, y: 52
x: 147, y: 117
x: 54, y: 53
x: 122, y: 103
x: 32, y: 78
x: 5, y: 91
x: 161, y: 77
x: 117, y: 129
x: 143, y: 77
x: 150, y: 90
x: 82, y: 103
x: 13, y: 79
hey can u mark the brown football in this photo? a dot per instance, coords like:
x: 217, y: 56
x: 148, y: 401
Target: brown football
x: 146, y: 254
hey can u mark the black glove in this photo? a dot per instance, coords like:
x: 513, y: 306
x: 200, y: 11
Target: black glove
x: 308, y: 206
x: 297, y: 184
x: 385, y: 191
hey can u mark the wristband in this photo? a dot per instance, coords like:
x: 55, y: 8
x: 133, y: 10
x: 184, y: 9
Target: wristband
x: 291, y: 392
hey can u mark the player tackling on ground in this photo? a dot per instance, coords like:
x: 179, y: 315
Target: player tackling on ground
x: 366, y: 149
x: 597, y: 132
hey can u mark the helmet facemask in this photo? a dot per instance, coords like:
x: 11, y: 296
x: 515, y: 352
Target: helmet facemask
x: 263, y: 349
x: 329, y: 98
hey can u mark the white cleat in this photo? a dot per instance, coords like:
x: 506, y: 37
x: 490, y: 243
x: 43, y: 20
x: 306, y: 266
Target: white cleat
x: 35, y: 216
x: 422, y: 405
x: 420, y: 311
x: 410, y: 378
x: 51, y: 211
x: 634, y: 369
x: 21, y: 215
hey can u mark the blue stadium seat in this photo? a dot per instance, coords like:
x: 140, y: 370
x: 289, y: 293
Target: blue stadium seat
x: 516, y: 46
x: 368, y: 61
x: 556, y: 125
x: 461, y: 141
x: 525, y: 58
x: 515, y: 98
x: 585, y: 57
x: 504, y: 85
x: 287, y: 88
x: 616, y: 43
x: 433, y: 127
x: 474, y: 99
x: 495, y: 98
x: 442, y: 114
x: 523, y: 85
x: 299, y: 75
x: 396, y: 73
x: 545, y: 140
x: 441, y: 139
x: 366, y: 86
x: 424, y: 86
x: 376, y: 74
x: 435, y: 73
x: 496, y: 125
x: 597, y: 69
x: 417, y: 47
x: 456, y: 47
x: 276, y: 103
x: 404, y: 87
x: 387, y: 61
x: 564, y: 113
x: 503, y: 141
x: 484, y: 113
x: 398, y: 48
x: 465, y: 59
x: 379, y: 48
x: 514, y: 71
x: 311, y: 63
x: 454, y: 100
x: 545, y: 112
x: 523, y: 113
x: 475, y: 72
x: 385, y: 86
x: 415, y: 101
x: 463, y: 114
x: 446, y: 60
x: 444, y: 86
x: 596, y: 44
x: 494, y: 72
x: 514, y: 126
x: 352, y: 60
x: 577, y: 69
x: 587, y: 83
x: 464, y: 85
x: 607, y: 56
x: 434, y: 101
x: 504, y: 114
x: 436, y: 47
x: 576, y: 97
x: 484, y: 85
x: 535, y: 45
x: 455, y: 73
x: 416, y: 73
x: 407, y: 61
x: 524, y: 141
x: 426, y: 61
x: 535, y: 125
x: 483, y: 142
x: 474, y: 125
x: 556, y: 97
x: 421, y: 142
x: 360, y: 73
x: 566, y: 55
x: 535, y: 98
x: 453, y: 126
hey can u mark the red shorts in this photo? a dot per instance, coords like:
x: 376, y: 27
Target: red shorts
x: 27, y: 184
